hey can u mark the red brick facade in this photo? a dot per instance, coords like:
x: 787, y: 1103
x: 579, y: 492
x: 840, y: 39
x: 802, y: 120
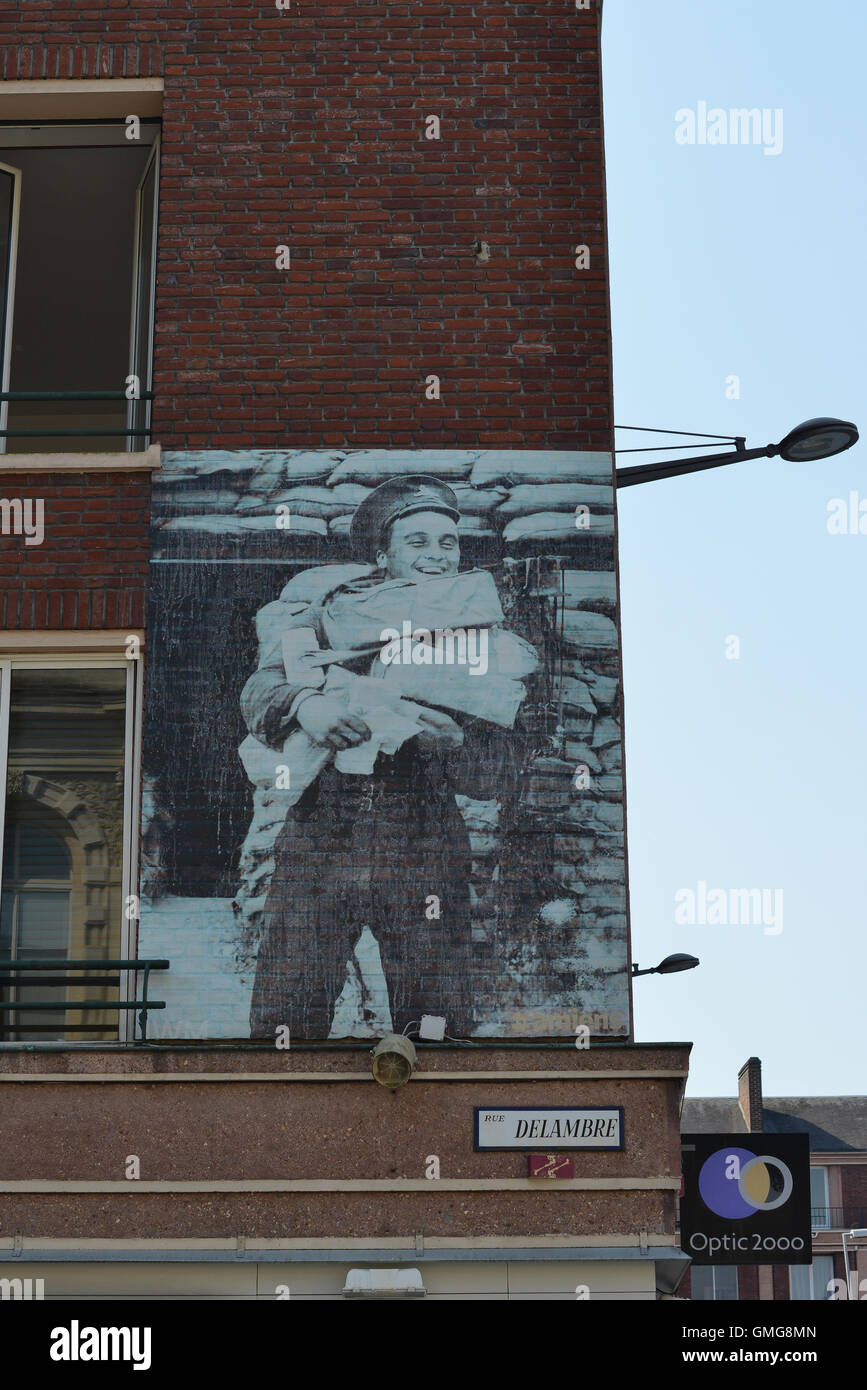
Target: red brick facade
x: 91, y: 570
x: 853, y: 1178
x: 306, y: 128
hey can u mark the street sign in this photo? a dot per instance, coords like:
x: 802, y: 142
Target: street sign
x: 563, y: 1126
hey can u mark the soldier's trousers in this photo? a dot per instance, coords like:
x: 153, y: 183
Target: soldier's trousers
x: 390, y: 852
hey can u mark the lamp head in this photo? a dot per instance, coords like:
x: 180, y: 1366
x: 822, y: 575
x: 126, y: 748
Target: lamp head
x: 394, y: 1061
x: 679, y: 961
x: 817, y: 439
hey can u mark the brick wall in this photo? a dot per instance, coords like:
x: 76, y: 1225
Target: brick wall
x: 90, y: 570
x: 307, y: 129
x: 854, y: 1186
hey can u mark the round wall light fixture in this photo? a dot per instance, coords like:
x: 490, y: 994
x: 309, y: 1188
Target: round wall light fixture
x: 394, y: 1061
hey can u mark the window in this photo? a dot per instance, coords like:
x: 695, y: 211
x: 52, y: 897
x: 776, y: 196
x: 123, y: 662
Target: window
x: 717, y: 1282
x: 35, y: 904
x: 78, y: 215
x: 820, y: 1213
x: 65, y: 741
x: 812, y: 1281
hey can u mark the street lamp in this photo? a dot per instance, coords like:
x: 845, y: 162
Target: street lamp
x: 853, y: 1235
x: 669, y: 966
x: 819, y: 438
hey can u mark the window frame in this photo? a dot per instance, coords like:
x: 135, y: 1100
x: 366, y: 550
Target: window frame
x: 7, y: 308
x: 823, y: 1169
x: 713, y: 1272
x: 75, y: 660
x: 78, y: 132
x: 145, y: 379
x: 811, y: 1272
x: 16, y: 885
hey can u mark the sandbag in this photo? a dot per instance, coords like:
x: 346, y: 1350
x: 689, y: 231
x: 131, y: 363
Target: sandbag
x: 511, y: 467
x: 587, y: 629
x: 235, y: 527
x: 529, y: 499
x: 308, y: 499
x: 476, y: 501
x: 186, y: 464
x: 545, y: 526
x: 374, y: 466
x: 309, y: 465
x: 174, y: 502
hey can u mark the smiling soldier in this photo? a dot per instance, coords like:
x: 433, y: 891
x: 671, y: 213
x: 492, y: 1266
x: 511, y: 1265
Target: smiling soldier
x: 371, y: 847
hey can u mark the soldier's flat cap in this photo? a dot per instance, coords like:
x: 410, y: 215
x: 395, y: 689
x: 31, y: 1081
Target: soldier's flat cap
x: 415, y: 492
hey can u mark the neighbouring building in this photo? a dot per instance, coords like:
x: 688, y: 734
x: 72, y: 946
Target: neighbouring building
x: 837, y: 1129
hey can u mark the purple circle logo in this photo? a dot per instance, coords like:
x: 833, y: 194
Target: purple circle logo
x: 735, y: 1183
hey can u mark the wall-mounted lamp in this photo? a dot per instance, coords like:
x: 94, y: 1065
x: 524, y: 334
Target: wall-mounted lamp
x: 669, y: 966
x: 394, y: 1061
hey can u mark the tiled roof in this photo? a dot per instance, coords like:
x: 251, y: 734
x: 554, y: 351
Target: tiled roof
x: 834, y: 1123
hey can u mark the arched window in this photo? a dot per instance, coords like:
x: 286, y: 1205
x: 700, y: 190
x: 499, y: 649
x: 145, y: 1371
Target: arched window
x: 34, y: 910
x: 66, y: 735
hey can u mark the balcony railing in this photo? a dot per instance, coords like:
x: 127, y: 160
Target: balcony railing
x: 37, y: 432
x: 838, y: 1218
x: 16, y: 973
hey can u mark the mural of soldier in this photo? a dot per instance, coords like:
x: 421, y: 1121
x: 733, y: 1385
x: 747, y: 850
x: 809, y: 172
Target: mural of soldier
x: 389, y: 692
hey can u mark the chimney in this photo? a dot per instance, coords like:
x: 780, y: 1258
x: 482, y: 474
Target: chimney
x: 750, y: 1093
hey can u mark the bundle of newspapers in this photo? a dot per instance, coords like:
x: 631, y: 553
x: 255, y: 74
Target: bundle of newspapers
x: 434, y: 642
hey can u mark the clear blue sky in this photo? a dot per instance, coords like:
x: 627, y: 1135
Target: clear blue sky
x: 748, y: 773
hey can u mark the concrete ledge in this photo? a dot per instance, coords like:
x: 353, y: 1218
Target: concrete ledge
x: 102, y: 641
x: 146, y: 461
x: 143, y: 1078
x: 81, y: 99
x: 153, y: 1247
x: 360, y: 1254
x: 136, y: 1187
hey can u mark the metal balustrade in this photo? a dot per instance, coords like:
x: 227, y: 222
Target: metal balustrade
x: 40, y: 433
x: 838, y: 1218
x: 16, y: 972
